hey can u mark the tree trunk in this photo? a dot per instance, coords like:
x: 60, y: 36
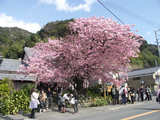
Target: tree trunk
x: 104, y: 90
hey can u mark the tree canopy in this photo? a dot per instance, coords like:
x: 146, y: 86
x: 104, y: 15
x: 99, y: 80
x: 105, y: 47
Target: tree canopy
x: 94, y: 49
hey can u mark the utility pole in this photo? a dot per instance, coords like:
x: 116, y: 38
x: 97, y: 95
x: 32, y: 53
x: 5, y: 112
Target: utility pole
x: 157, y: 41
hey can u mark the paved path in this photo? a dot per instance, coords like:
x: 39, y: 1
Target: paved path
x: 139, y: 111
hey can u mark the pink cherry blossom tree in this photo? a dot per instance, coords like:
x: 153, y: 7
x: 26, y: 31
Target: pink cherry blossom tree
x: 96, y: 48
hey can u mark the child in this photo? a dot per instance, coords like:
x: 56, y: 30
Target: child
x: 43, y: 100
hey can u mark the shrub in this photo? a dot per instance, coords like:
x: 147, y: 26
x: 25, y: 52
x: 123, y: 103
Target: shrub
x: 11, y: 101
x: 99, y: 101
x: 109, y: 99
x: 6, y: 87
x: 21, y: 101
x: 27, y: 88
x: 94, y: 91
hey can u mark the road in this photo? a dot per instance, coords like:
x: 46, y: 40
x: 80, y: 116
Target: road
x: 139, y: 111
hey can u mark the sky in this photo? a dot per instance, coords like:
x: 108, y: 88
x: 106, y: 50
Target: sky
x: 32, y: 15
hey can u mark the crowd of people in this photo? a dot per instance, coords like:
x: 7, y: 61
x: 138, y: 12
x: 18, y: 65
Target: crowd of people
x: 127, y: 94
x: 43, y: 100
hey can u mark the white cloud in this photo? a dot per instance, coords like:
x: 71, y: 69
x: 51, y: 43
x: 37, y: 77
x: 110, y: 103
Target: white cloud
x: 63, y: 5
x: 9, y: 21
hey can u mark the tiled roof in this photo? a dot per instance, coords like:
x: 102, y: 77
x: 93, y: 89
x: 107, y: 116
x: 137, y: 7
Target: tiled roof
x: 13, y: 65
x: 142, y: 72
x: 18, y: 77
x: 10, y: 65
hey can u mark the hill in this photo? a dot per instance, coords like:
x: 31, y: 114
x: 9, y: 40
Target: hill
x: 148, y: 57
x: 54, y: 29
x: 13, y: 40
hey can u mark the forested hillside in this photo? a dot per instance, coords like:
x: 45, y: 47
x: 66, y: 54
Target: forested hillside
x: 148, y: 57
x: 13, y: 40
x: 54, y: 29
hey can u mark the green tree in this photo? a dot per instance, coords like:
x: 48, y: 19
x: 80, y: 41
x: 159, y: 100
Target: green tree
x: 14, y: 51
x: 32, y: 40
x: 56, y: 29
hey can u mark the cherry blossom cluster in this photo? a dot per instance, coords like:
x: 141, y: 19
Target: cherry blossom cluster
x: 96, y: 48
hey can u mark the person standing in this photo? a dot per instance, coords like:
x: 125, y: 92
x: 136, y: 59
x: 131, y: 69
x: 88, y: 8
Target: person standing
x: 73, y: 101
x: 132, y: 94
x: 117, y: 96
x: 34, y: 102
x: 129, y: 95
x: 124, y: 98
x: 124, y: 93
x: 75, y: 94
x: 147, y: 93
x: 142, y: 93
x: 62, y: 103
x: 158, y: 95
x: 43, y: 101
x: 150, y: 93
x: 50, y: 98
x: 113, y: 94
x: 138, y: 94
x: 60, y: 100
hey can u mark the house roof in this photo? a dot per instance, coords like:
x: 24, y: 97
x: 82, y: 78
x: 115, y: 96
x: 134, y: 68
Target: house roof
x: 142, y: 72
x: 10, y: 65
x: 18, y: 77
x: 13, y: 65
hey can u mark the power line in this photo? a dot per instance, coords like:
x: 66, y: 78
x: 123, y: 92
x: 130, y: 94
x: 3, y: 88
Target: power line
x: 110, y: 12
x: 131, y: 13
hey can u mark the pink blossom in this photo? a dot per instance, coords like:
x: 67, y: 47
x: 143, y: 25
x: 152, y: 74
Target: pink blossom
x: 95, y: 47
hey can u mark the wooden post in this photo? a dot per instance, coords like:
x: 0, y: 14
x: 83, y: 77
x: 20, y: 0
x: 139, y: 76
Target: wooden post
x: 104, y: 90
x: 36, y: 82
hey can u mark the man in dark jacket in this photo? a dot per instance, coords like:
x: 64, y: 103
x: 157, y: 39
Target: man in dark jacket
x: 142, y: 93
x: 113, y: 94
x: 50, y: 98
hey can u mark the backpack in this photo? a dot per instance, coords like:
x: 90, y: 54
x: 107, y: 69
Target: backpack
x: 113, y: 91
x: 123, y: 93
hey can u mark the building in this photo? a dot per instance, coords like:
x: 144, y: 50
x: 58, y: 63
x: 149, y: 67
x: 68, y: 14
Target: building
x: 9, y: 69
x: 148, y: 77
